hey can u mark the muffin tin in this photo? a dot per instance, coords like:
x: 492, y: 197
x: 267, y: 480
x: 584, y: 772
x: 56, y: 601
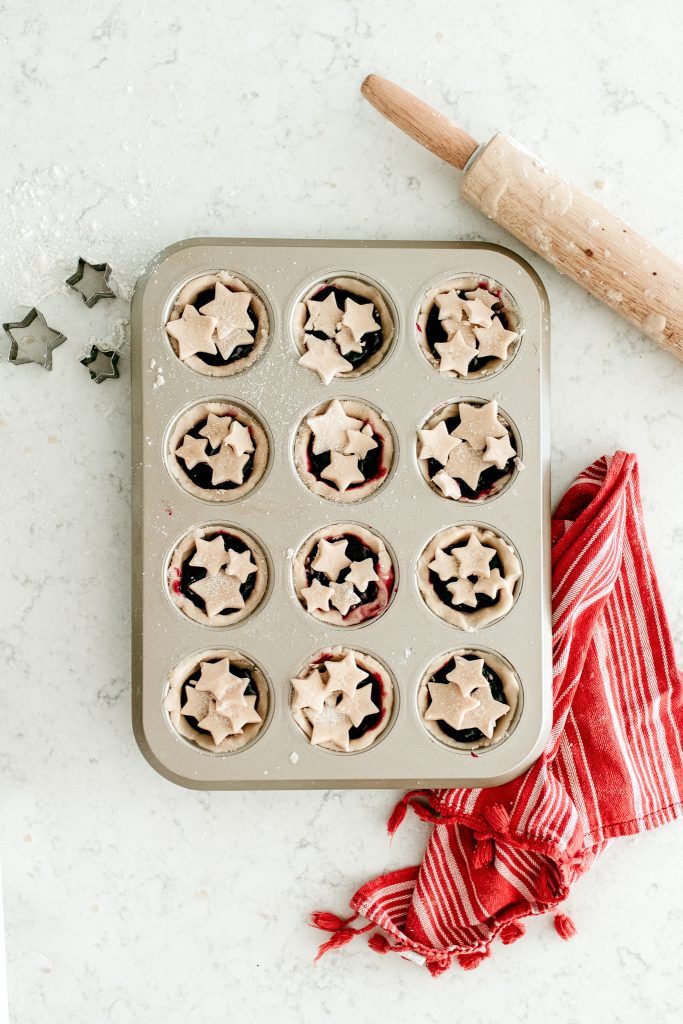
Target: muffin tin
x: 280, y: 513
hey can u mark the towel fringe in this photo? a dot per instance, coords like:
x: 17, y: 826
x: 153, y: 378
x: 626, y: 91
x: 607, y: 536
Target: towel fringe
x: 512, y: 931
x: 498, y: 818
x: 484, y: 852
x: 410, y: 799
x: 328, y: 922
x: 470, y: 961
x: 564, y: 926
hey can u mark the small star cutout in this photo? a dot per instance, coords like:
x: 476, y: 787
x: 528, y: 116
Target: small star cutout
x: 91, y: 281
x: 240, y: 565
x: 491, y: 585
x: 32, y: 340
x: 444, y: 565
x: 437, y: 443
x: 324, y: 358
x: 499, y: 451
x: 230, y: 312
x: 362, y: 573
x: 447, y: 485
x: 449, y: 704
x: 197, y: 705
x: 216, y: 429
x: 359, y: 706
x: 360, y: 442
x: 359, y: 319
x: 467, y: 674
x: 331, y: 429
x: 486, y: 713
x: 346, y: 341
x: 343, y: 471
x: 464, y: 463
x: 239, y: 714
x: 101, y: 365
x: 344, y: 597
x: 192, y: 451
x: 477, y: 422
x: 462, y: 592
x: 455, y: 354
x: 451, y: 306
x: 323, y: 316
x: 210, y: 555
x: 193, y: 333
x: 226, y: 346
x: 331, y: 558
x: 217, y: 679
x: 484, y: 296
x: 309, y: 692
x: 494, y: 340
x: 239, y: 439
x: 226, y: 466
x: 219, y: 593
x: 219, y: 727
x: 329, y: 726
x: 474, y: 559
x: 478, y: 312
x: 317, y: 597
x: 344, y: 675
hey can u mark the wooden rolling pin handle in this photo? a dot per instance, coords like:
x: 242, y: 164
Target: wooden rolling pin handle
x: 577, y: 235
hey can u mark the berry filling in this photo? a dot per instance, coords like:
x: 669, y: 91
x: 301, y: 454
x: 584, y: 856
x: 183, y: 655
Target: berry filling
x: 243, y: 673
x: 191, y: 573
x: 444, y: 594
x: 371, y: 341
x: 497, y: 691
x: 372, y: 466
x: 240, y: 351
x: 377, y: 698
x: 487, y: 479
x: 357, y: 551
x: 436, y: 334
x: 202, y: 473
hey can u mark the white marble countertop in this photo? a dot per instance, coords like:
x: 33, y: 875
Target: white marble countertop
x: 125, y: 127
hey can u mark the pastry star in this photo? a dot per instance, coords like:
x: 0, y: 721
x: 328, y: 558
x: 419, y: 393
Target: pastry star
x: 317, y: 597
x: 309, y: 692
x: 331, y: 429
x: 343, y: 471
x: 491, y: 585
x: 197, y: 705
x: 346, y: 341
x: 359, y: 706
x: 226, y: 466
x: 444, y: 565
x: 193, y: 333
x: 329, y: 725
x: 478, y: 312
x: 467, y: 674
x: 219, y: 727
x: 487, y: 297
x: 449, y: 704
x: 239, y: 714
x: 216, y: 429
x: 229, y: 309
x: 474, y: 558
x: 455, y: 354
x: 437, y: 443
x: 358, y: 318
x: 217, y: 679
x: 464, y: 463
x: 219, y: 593
x: 240, y: 565
x: 462, y: 592
x: 447, y: 484
x: 344, y: 597
x: 362, y: 573
x: 331, y: 558
x: 477, y: 422
x: 191, y: 451
x: 494, y: 340
x: 487, y: 712
x: 324, y: 358
x: 360, y: 443
x: 239, y: 439
x: 450, y: 305
x: 498, y: 451
x: 344, y: 675
x: 210, y: 555
x: 323, y: 316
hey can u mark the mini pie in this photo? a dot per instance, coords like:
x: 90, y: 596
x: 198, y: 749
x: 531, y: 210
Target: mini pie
x: 467, y: 451
x: 218, y: 451
x: 218, y: 325
x: 344, y: 450
x: 342, y: 699
x: 218, y: 700
x: 342, y: 328
x: 468, y: 575
x: 217, y: 575
x: 467, y: 699
x: 468, y: 327
x: 344, y: 575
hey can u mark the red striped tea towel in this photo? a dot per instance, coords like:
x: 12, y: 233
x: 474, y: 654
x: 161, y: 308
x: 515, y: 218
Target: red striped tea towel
x: 613, y: 765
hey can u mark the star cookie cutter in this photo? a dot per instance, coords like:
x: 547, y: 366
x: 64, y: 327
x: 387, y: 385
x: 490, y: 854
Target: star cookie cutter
x: 91, y: 281
x: 33, y: 344
x: 101, y: 364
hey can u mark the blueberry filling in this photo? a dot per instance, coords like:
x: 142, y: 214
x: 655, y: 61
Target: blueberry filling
x: 371, y: 466
x: 243, y: 673
x: 497, y: 691
x: 202, y: 473
x: 487, y: 479
x: 189, y: 574
x: 435, y: 332
x: 441, y: 589
x: 371, y: 342
x: 240, y: 351
x: 357, y: 551
x: 376, y: 696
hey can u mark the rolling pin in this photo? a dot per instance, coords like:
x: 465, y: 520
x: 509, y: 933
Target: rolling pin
x: 577, y: 235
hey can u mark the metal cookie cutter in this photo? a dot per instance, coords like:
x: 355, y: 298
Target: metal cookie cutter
x: 91, y: 281
x: 32, y: 340
x: 102, y: 365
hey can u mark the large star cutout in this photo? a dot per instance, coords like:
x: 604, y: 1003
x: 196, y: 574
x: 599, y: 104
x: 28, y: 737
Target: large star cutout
x: 91, y: 281
x: 437, y: 443
x: 494, y: 340
x: 317, y: 597
x: 464, y: 463
x: 467, y: 674
x: 240, y: 565
x: 323, y: 316
x: 491, y: 585
x: 191, y: 451
x: 230, y: 312
x: 226, y: 466
x: 343, y: 471
x: 216, y: 429
x: 324, y: 358
x: 219, y: 726
x: 331, y: 558
x: 447, y: 485
x: 358, y: 318
x: 344, y: 597
x: 210, y: 555
x: 193, y: 333
x: 32, y: 340
x: 329, y: 726
x: 217, y: 679
x: 344, y: 675
x: 462, y: 592
x: 499, y: 451
x: 477, y: 422
x: 309, y: 692
x: 197, y: 704
x: 219, y: 593
x: 444, y: 565
x: 450, y: 305
x: 360, y: 442
x: 487, y: 712
x: 361, y: 573
x: 449, y: 704
x: 331, y: 429
x: 240, y: 714
x: 101, y: 365
x: 474, y: 559
x: 239, y: 439
x: 478, y: 312
x: 358, y: 706
x: 455, y: 354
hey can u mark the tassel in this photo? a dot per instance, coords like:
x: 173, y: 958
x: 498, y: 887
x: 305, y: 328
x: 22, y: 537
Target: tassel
x: 397, y: 815
x: 379, y: 943
x: 512, y: 931
x: 484, y: 853
x: 498, y: 817
x: 470, y: 961
x: 328, y: 922
x: 339, y: 939
x: 564, y: 926
x: 439, y: 965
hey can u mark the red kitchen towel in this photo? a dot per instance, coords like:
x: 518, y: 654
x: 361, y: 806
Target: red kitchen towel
x: 613, y: 765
